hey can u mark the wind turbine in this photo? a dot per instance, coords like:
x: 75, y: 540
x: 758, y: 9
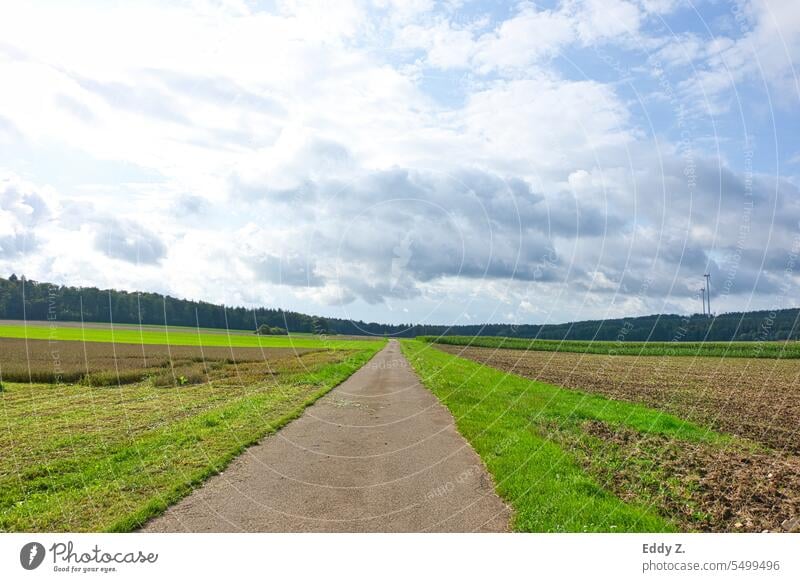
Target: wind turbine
x: 708, y: 291
x: 703, y: 293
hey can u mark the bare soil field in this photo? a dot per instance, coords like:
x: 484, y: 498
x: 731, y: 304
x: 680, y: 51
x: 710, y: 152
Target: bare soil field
x: 754, y: 398
x: 98, y: 363
x: 749, y: 484
x: 702, y: 487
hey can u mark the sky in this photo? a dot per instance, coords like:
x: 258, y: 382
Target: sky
x: 423, y: 161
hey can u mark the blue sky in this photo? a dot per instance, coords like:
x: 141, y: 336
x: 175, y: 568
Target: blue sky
x: 451, y: 161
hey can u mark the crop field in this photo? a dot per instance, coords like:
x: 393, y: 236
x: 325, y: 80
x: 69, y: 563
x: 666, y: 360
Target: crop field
x: 768, y: 350
x: 564, y: 440
x: 106, y: 364
x: 754, y: 398
x: 172, y: 336
x: 108, y: 435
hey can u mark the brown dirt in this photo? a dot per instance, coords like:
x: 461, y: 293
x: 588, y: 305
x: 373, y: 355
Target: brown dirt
x: 701, y: 486
x: 751, y: 485
x: 110, y: 364
x: 754, y: 398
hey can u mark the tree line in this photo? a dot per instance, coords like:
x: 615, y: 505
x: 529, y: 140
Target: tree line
x: 32, y: 300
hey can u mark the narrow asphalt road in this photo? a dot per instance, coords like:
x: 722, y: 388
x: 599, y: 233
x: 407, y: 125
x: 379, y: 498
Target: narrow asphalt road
x: 379, y: 453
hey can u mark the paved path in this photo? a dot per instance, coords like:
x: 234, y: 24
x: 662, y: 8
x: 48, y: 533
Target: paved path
x: 377, y: 453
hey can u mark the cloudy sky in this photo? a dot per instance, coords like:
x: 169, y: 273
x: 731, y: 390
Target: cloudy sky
x: 406, y: 160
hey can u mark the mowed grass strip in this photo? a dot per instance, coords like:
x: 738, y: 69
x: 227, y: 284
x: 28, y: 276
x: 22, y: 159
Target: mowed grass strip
x: 503, y: 417
x: 774, y: 350
x: 82, y: 458
x: 183, y: 337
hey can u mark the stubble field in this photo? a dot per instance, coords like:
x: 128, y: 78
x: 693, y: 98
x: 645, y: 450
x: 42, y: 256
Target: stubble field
x: 101, y: 436
x: 108, y: 364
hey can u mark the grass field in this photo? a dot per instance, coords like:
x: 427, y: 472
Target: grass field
x: 567, y: 460
x: 122, y: 326
x: 775, y: 350
x: 173, y: 336
x: 82, y: 457
x: 167, y: 329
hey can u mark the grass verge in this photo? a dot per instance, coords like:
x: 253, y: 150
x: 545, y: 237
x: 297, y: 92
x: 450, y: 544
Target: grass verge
x: 509, y: 421
x: 82, y: 458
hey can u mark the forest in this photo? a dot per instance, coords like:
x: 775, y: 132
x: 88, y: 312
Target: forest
x: 26, y: 299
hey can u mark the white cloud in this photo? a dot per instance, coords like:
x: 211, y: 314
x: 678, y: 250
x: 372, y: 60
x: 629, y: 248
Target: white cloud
x: 541, y: 125
x: 527, y: 39
x: 524, y: 39
x: 284, y: 157
x: 606, y: 19
x: 22, y: 210
x: 764, y: 52
x: 446, y: 47
x: 128, y: 241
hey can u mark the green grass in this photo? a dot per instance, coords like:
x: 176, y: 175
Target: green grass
x: 774, y: 350
x: 82, y: 458
x: 506, y: 418
x: 184, y: 337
